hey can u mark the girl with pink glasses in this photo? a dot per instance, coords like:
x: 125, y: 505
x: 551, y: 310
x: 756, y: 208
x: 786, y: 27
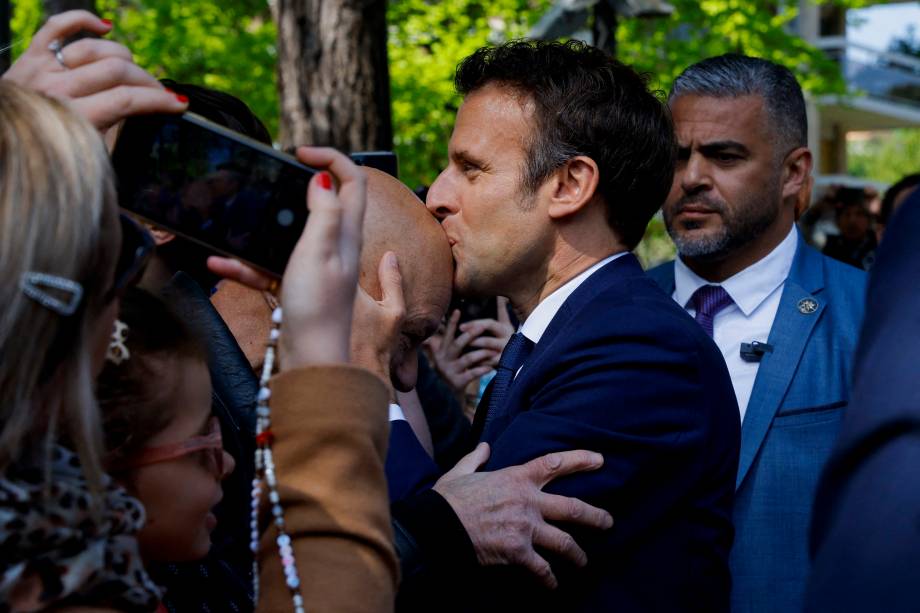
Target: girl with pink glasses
x: 163, y: 444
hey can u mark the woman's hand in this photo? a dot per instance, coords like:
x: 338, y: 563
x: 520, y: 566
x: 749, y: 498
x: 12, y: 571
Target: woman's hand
x: 457, y: 368
x: 98, y: 77
x: 464, y: 357
x: 319, y: 284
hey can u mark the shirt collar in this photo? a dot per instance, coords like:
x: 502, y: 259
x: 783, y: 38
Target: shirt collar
x: 539, y: 320
x: 749, y: 287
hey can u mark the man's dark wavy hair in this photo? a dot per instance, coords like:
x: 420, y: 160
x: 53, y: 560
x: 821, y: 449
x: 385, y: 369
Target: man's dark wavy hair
x: 586, y: 103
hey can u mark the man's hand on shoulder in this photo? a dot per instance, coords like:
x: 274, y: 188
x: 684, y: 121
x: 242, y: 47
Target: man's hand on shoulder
x: 505, y: 512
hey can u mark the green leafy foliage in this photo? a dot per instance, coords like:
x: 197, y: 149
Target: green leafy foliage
x: 885, y: 156
x: 227, y: 45
x: 702, y: 28
x: 427, y: 38
x: 26, y: 18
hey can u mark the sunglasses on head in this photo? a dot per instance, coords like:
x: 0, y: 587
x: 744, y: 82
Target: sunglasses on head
x: 210, y: 442
x: 136, y: 248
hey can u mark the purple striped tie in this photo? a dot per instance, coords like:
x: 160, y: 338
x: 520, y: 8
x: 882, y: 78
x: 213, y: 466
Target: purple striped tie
x: 708, y: 301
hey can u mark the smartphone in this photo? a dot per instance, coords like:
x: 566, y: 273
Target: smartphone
x: 381, y: 160
x: 213, y: 186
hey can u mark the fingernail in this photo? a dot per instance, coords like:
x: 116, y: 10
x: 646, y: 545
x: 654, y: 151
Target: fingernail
x: 324, y: 180
x: 392, y: 262
x: 182, y: 98
x: 107, y: 22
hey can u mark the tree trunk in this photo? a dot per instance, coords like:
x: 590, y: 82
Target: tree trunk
x: 5, y: 37
x: 53, y: 7
x: 333, y: 77
x: 605, y: 27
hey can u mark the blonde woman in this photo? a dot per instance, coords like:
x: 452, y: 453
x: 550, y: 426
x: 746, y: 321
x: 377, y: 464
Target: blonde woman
x: 60, y: 516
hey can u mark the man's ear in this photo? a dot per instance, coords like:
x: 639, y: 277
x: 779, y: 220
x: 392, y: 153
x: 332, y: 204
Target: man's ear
x: 160, y: 236
x: 804, y: 197
x: 796, y: 173
x: 574, y: 185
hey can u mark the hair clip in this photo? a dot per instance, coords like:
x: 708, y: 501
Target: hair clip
x: 118, y: 350
x: 35, y: 284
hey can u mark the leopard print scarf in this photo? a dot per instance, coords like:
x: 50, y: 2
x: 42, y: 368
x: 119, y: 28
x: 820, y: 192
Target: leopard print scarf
x: 54, y: 552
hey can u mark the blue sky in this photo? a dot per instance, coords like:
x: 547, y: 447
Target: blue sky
x: 882, y: 22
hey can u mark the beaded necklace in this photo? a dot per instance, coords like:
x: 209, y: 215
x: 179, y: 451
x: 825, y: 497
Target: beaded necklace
x: 265, y: 473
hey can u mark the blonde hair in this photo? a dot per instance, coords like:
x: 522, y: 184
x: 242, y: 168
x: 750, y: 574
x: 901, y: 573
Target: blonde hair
x: 58, y: 215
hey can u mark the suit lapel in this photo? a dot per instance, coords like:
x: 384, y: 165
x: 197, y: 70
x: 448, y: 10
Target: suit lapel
x: 800, y: 308
x: 612, y: 273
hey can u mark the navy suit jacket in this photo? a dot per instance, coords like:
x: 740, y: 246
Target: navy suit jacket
x: 866, y: 528
x: 408, y: 467
x: 790, y: 426
x: 623, y: 371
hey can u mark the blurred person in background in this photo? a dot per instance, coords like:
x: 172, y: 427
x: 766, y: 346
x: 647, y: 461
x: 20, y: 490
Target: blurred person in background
x: 855, y: 242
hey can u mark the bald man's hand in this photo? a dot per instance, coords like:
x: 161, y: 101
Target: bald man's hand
x: 98, y: 77
x: 377, y: 322
x: 505, y: 512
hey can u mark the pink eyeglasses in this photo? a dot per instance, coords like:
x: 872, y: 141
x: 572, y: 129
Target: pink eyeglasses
x: 210, y: 441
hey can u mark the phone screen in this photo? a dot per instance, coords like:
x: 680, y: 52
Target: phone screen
x: 213, y: 186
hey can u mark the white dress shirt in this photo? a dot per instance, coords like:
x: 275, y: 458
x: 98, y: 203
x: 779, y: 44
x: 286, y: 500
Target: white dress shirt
x: 538, y: 321
x: 756, y: 292
x: 396, y: 413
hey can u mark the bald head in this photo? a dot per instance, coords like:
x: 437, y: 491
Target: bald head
x: 396, y: 220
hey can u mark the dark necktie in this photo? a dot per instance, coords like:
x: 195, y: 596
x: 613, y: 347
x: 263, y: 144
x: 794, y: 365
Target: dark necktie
x: 513, y: 357
x: 708, y: 301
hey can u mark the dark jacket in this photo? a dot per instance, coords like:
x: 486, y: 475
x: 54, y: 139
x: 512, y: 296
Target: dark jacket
x: 624, y: 371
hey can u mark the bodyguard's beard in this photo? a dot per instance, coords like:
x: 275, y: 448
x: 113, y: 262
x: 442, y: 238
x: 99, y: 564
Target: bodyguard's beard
x: 749, y: 219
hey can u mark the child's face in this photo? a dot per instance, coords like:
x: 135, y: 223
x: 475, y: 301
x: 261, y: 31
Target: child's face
x: 178, y: 494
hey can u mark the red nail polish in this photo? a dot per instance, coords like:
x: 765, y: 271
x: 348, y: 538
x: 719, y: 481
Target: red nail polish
x: 181, y: 98
x: 325, y: 181
x: 107, y: 22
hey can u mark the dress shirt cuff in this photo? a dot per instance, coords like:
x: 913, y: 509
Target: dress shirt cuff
x: 396, y: 413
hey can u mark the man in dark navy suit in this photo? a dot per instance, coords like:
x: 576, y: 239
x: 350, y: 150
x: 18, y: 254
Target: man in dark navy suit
x: 865, y: 535
x: 558, y: 159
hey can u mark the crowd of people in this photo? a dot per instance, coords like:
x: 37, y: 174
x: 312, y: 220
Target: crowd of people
x: 732, y: 430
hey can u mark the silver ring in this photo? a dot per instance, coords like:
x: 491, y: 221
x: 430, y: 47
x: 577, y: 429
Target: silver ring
x: 57, y: 49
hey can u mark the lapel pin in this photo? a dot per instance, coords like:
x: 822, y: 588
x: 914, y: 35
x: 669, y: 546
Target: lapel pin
x: 807, y: 306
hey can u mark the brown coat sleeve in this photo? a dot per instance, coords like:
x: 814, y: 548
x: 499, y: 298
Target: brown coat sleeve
x: 331, y: 428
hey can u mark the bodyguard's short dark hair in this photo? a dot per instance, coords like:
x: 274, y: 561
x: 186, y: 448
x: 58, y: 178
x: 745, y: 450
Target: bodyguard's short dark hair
x: 586, y: 103
x: 733, y: 75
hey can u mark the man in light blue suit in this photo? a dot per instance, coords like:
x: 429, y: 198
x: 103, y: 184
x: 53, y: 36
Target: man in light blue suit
x: 785, y: 317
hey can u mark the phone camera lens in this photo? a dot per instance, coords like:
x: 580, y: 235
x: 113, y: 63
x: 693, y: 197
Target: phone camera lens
x: 285, y: 217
